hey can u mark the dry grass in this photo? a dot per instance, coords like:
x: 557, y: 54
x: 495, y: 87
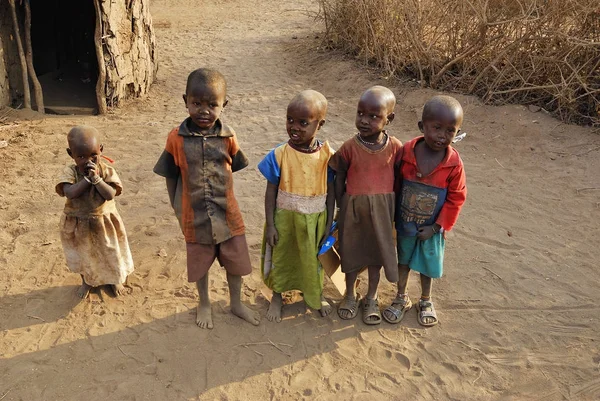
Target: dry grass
x: 542, y: 52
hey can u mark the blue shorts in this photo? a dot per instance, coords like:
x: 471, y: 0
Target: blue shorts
x: 425, y: 257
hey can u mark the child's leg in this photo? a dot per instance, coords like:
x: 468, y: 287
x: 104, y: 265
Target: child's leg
x: 274, y: 311
x: 84, y: 290
x: 395, y: 312
x: 427, y: 314
x: 235, y: 296
x: 349, y: 305
x: 374, y: 277
x: 426, y: 285
x: 371, y: 313
x: 204, y: 311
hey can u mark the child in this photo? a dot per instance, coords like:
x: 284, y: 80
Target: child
x: 299, y: 204
x: 364, y: 187
x: 91, y: 231
x: 199, y: 159
x: 432, y: 192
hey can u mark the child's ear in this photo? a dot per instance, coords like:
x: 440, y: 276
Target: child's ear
x: 390, y: 117
x: 185, y: 99
x: 421, y: 126
x: 69, y: 152
x: 321, y: 123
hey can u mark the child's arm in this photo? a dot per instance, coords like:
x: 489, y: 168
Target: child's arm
x: 330, y: 205
x: 272, y: 236
x: 455, y: 198
x: 73, y: 191
x: 105, y: 190
x: 340, y: 187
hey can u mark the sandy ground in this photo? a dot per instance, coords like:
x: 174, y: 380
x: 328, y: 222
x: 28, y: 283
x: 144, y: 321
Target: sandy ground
x: 519, y: 319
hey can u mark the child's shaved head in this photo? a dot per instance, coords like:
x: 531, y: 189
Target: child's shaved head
x: 314, y: 98
x: 442, y: 105
x: 206, y: 77
x: 382, y: 95
x: 83, y: 135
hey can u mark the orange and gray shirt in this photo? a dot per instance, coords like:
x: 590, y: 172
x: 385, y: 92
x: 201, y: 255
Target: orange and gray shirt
x: 203, y: 165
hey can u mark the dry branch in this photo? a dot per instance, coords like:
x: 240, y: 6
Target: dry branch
x: 545, y: 53
x: 37, y: 87
x: 98, y: 39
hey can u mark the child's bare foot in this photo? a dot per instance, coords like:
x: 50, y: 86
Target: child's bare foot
x: 84, y: 290
x: 242, y: 311
x: 325, y: 307
x: 118, y: 289
x: 274, y: 312
x: 204, y: 316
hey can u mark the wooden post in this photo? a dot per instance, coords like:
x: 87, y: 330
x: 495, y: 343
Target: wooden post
x: 37, y: 87
x: 100, y: 85
x: 26, y: 93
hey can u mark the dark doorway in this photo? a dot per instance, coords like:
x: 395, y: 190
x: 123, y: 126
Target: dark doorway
x: 64, y: 55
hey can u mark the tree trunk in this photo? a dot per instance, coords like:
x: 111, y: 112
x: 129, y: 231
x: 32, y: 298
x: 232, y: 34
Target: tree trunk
x: 37, y: 87
x: 26, y: 94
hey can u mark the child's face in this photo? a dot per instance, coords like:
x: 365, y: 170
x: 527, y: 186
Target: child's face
x: 205, y: 104
x: 439, y: 130
x: 303, y: 122
x: 85, y: 152
x: 372, y: 116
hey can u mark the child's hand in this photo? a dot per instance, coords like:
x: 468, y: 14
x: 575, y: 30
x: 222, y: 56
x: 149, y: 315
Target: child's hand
x: 426, y: 232
x: 272, y: 236
x: 91, y: 169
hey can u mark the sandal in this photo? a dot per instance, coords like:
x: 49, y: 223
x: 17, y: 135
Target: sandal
x: 426, y: 309
x: 405, y: 304
x: 350, y: 305
x: 370, y: 308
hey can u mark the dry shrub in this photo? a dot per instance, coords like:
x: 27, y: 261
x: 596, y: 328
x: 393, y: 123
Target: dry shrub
x: 543, y: 52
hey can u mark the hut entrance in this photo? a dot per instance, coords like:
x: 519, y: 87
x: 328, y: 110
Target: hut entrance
x: 64, y: 55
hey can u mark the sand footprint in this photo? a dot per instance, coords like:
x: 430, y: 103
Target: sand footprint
x: 389, y: 361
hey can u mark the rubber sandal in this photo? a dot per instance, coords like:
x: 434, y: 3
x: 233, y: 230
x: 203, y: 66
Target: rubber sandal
x: 405, y: 305
x: 370, y: 308
x: 426, y: 309
x: 349, y: 305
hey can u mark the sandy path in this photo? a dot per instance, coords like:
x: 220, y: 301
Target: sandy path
x: 519, y: 318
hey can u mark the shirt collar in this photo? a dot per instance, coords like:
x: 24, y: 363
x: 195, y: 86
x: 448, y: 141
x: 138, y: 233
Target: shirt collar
x: 451, y: 159
x: 221, y: 130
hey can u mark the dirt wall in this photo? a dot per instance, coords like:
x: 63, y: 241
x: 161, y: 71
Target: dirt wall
x: 11, y: 84
x: 128, y: 47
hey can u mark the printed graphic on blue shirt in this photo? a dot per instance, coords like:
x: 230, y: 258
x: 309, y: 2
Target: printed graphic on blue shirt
x: 418, y: 205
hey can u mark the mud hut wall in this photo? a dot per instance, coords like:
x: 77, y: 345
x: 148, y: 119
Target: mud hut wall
x: 11, y: 82
x: 128, y: 48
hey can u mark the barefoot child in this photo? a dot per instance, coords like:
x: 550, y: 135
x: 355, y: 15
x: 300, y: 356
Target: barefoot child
x: 91, y: 230
x: 432, y: 192
x: 198, y: 161
x: 299, y: 204
x: 364, y: 187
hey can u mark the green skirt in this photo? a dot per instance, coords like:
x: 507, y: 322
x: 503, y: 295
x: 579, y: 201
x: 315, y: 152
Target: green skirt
x: 292, y: 264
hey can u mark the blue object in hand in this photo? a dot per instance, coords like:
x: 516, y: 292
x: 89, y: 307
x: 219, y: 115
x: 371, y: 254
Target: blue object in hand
x: 330, y: 240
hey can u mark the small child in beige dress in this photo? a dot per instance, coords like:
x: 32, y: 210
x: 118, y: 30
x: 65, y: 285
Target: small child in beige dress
x: 91, y: 230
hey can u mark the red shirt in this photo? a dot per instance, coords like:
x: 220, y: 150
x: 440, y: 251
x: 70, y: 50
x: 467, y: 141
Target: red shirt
x: 449, y: 176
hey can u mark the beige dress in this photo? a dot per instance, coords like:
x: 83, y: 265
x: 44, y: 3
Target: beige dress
x: 92, y: 232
